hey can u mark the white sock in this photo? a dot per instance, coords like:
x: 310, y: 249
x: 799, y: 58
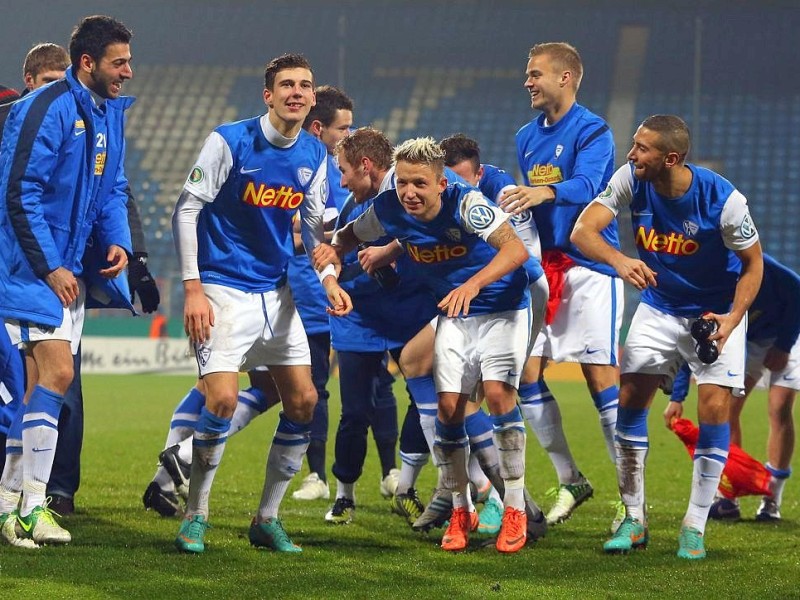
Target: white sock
x: 705, y: 480
x: 39, y: 439
x: 411, y: 465
x: 207, y: 450
x: 631, y: 463
x: 284, y: 460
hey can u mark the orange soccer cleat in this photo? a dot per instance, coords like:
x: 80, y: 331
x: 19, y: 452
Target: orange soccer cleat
x: 513, y: 531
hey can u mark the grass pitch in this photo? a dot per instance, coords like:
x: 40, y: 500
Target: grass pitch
x: 121, y: 551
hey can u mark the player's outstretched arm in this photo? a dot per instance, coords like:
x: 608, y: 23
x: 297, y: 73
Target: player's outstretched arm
x: 746, y: 289
x: 511, y: 254
x: 586, y: 236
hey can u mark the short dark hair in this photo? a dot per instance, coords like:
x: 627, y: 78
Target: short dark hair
x: 93, y: 34
x: 458, y: 148
x: 45, y: 57
x: 367, y: 142
x: 329, y: 100
x: 672, y: 131
x: 284, y: 61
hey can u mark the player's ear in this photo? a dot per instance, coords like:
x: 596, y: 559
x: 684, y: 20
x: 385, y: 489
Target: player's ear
x: 268, y: 97
x: 315, y: 128
x: 672, y: 159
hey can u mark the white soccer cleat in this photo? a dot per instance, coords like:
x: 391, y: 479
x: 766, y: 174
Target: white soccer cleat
x: 389, y: 483
x: 8, y: 532
x: 312, y: 488
x: 41, y: 527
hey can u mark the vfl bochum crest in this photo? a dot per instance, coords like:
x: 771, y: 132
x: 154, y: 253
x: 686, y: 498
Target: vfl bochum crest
x: 480, y: 217
x: 203, y: 354
x: 690, y: 228
x: 453, y: 234
x: 304, y: 175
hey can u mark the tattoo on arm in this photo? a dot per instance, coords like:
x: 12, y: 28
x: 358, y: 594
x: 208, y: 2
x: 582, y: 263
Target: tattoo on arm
x: 504, y: 233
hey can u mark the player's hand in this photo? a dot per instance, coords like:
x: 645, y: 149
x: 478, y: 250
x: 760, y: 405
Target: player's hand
x: 518, y: 199
x: 776, y: 359
x: 118, y: 259
x: 673, y: 411
x: 324, y: 255
x: 725, y: 325
x: 375, y: 257
x: 635, y: 272
x: 63, y: 283
x: 198, y: 316
x: 339, y: 300
x: 141, y: 282
x: 457, y: 301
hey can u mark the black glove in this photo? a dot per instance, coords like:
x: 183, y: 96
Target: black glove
x: 141, y: 281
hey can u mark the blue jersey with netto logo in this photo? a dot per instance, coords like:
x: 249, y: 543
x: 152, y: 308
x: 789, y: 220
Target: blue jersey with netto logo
x: 245, y: 235
x: 688, y: 241
x: 574, y: 157
x: 448, y: 250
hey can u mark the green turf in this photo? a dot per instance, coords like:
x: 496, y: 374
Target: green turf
x: 121, y: 551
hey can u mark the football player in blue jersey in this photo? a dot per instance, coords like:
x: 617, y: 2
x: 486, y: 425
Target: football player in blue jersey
x: 61, y: 176
x: 691, y: 228
x: 233, y: 232
x: 329, y: 121
x: 470, y: 258
x: 386, y: 315
x: 566, y: 156
x: 773, y: 328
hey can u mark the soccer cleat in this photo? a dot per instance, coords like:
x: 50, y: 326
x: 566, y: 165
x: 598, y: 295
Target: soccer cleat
x: 619, y: 517
x: 513, y: 531
x: 723, y: 509
x: 491, y: 517
x: 164, y: 503
x: 8, y: 532
x: 768, y: 510
x: 408, y: 505
x: 41, y: 527
x: 568, y: 497
x: 630, y: 535
x: 537, y: 522
x: 436, y: 513
x: 389, y: 483
x: 271, y: 534
x: 191, y: 534
x: 179, y: 470
x: 456, y: 537
x: 312, y: 488
x: 690, y: 544
x: 62, y: 505
x: 341, y: 513
x: 482, y: 495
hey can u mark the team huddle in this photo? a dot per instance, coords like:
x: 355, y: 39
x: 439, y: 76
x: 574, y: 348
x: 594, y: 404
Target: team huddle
x: 296, y: 235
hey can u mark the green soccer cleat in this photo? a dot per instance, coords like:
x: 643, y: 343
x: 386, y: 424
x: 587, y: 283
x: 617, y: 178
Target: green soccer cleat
x: 690, y: 544
x: 630, y: 535
x: 191, y: 534
x: 491, y: 517
x: 619, y: 514
x: 408, y: 505
x: 41, y: 527
x: 568, y: 497
x: 8, y: 532
x: 271, y: 534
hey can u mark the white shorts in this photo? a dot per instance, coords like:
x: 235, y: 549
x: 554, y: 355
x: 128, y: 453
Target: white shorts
x: 788, y: 377
x: 658, y: 343
x: 24, y: 332
x: 484, y: 347
x: 251, y: 330
x: 587, y: 323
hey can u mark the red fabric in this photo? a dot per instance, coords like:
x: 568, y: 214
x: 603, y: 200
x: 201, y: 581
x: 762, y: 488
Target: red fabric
x: 555, y: 263
x: 743, y: 475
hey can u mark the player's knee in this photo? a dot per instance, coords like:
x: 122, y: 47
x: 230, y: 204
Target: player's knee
x: 57, y: 376
x: 300, y: 408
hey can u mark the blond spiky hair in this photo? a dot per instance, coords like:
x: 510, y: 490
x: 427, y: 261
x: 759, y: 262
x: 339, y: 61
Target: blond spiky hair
x: 422, y: 150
